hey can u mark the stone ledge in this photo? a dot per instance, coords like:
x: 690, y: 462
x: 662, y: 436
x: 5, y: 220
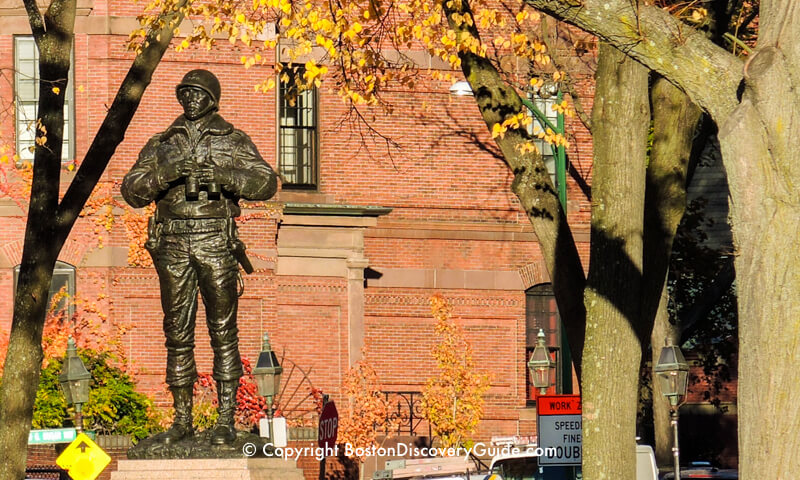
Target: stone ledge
x: 203, y: 469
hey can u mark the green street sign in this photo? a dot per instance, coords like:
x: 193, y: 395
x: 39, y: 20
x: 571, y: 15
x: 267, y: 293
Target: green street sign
x: 52, y: 435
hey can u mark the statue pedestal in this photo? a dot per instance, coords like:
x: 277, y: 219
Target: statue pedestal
x: 206, y: 468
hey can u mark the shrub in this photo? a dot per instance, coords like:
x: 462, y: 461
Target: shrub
x: 114, y: 407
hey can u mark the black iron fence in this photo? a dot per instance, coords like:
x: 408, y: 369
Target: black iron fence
x: 405, y: 413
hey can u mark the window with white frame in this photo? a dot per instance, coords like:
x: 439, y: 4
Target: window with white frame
x: 26, y: 86
x: 297, y: 134
x: 62, y: 285
x: 548, y: 151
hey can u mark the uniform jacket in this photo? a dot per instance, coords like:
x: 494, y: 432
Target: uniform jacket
x: 210, y: 141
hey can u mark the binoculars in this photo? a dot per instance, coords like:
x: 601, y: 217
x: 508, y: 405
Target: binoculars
x: 193, y: 185
x: 193, y: 188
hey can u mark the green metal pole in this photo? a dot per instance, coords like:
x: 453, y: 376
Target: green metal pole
x: 561, y: 186
x: 561, y: 159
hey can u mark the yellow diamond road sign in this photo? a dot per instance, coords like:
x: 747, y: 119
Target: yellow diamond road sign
x: 83, y: 459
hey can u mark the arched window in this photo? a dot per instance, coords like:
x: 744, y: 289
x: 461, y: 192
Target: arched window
x: 541, y: 312
x: 63, y: 278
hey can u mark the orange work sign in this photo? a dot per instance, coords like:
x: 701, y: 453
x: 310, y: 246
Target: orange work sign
x: 558, y: 404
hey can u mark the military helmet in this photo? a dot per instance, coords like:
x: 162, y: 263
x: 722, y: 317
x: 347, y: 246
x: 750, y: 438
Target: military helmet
x: 202, y: 79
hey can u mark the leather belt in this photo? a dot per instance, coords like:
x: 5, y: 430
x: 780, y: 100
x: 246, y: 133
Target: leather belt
x: 176, y: 226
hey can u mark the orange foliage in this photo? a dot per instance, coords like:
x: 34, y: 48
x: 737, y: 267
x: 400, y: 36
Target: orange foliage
x: 136, y: 231
x: 15, y: 182
x: 3, y: 348
x: 453, y: 401
x: 366, y: 413
x: 89, y: 325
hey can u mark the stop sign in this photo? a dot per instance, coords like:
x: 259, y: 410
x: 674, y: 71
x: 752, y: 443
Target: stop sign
x: 328, y: 425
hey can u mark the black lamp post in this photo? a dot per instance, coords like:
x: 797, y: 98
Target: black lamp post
x: 539, y: 364
x: 268, y: 377
x: 74, y: 381
x: 673, y: 373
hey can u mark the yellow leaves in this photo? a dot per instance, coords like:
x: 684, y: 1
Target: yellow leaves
x: 520, y: 120
x: 461, y: 20
x: 499, y: 130
x: 453, y: 399
x: 314, y: 72
x: 449, y: 39
x: 563, y: 108
x: 553, y: 138
x: 526, y: 147
x: 699, y: 15
x: 490, y: 18
x: 324, y: 42
x: 501, y: 42
x: 250, y: 61
x: 519, y: 38
x: 454, y: 61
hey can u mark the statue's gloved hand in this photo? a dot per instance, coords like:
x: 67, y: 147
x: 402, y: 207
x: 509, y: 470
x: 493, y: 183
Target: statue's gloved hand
x: 214, y: 174
x: 170, y: 172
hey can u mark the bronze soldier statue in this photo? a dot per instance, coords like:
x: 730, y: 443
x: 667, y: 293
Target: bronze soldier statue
x: 196, y: 171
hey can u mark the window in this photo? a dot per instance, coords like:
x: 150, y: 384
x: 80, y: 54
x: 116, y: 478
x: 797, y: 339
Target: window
x: 297, y: 134
x: 545, y: 105
x: 63, y: 279
x: 26, y: 83
x: 541, y: 313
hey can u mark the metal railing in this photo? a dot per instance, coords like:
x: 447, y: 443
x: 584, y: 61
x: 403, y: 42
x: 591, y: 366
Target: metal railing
x: 51, y: 473
x: 405, y: 413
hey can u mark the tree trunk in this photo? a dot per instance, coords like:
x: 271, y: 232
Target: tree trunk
x: 761, y: 151
x: 612, y: 351
x: 532, y: 184
x: 53, y: 34
x: 662, y: 430
x: 675, y: 120
x: 49, y: 223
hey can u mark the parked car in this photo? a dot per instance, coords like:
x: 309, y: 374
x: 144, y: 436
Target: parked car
x: 704, y: 470
x: 525, y: 466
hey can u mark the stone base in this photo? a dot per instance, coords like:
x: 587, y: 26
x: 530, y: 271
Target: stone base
x: 208, y: 468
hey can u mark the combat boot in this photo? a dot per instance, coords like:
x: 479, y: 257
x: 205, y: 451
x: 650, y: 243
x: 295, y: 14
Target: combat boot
x: 224, y: 432
x: 182, y: 426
